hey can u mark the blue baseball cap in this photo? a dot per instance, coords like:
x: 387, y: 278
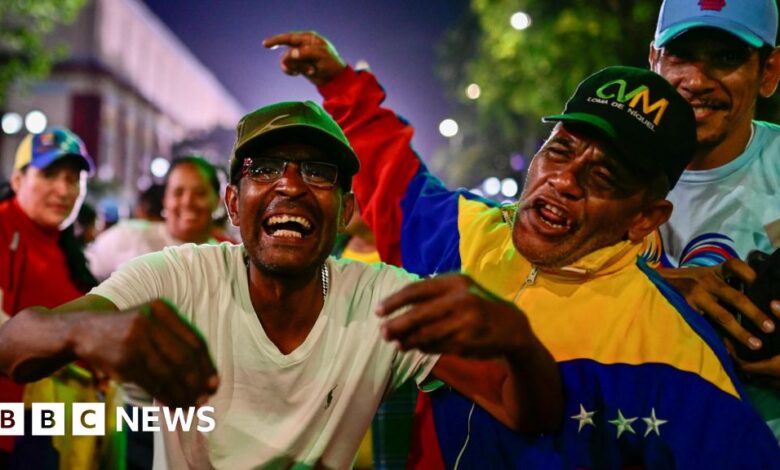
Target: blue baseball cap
x: 41, y: 150
x: 753, y: 21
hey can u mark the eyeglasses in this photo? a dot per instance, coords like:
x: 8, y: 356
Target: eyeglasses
x: 267, y: 170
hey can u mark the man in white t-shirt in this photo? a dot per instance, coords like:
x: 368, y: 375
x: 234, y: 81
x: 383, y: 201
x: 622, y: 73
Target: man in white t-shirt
x: 305, y: 346
x: 721, y: 57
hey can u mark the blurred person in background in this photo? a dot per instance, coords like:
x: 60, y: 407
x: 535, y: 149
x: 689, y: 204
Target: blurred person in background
x: 150, y: 204
x: 85, y: 225
x: 190, y: 196
x: 42, y: 263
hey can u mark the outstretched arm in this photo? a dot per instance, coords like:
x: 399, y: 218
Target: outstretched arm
x: 150, y: 345
x: 490, y: 353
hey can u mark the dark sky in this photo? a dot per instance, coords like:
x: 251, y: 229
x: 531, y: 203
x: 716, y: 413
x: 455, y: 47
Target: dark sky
x: 396, y: 37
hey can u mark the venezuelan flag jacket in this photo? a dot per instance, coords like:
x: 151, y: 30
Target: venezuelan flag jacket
x: 647, y: 382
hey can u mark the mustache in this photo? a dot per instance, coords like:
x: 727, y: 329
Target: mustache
x: 288, y: 205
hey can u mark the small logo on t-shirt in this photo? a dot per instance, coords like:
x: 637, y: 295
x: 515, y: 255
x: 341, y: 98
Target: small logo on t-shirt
x: 329, y: 399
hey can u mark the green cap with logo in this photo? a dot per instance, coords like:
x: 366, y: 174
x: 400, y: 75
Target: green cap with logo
x: 292, y: 122
x: 650, y: 124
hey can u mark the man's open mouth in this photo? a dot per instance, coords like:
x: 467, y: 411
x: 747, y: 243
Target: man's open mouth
x: 552, y: 216
x: 288, y: 226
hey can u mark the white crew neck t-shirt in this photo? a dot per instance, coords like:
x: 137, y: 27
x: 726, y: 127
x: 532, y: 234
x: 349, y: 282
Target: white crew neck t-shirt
x: 309, y: 408
x: 728, y: 211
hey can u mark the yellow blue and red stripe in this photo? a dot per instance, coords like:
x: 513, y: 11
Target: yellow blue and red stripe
x: 647, y: 383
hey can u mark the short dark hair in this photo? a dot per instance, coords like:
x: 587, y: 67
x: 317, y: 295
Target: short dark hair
x: 656, y: 188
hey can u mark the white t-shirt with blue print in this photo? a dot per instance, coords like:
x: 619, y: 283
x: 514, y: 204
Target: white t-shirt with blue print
x: 728, y: 211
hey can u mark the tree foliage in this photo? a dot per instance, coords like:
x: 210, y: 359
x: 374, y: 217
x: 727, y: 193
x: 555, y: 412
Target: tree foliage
x: 527, y: 74
x: 23, y: 25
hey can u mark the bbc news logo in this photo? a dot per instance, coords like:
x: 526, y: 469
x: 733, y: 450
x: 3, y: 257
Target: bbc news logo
x: 89, y: 419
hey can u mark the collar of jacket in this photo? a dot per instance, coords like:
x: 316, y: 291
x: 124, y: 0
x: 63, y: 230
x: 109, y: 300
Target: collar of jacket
x: 602, y: 262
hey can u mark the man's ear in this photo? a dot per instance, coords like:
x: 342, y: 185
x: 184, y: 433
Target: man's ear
x: 652, y: 216
x: 16, y: 180
x: 770, y: 75
x: 348, y: 207
x: 231, y: 202
x: 653, y: 56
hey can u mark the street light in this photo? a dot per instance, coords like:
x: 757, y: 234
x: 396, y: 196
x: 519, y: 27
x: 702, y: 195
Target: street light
x: 473, y: 91
x: 159, y: 167
x: 35, y: 122
x: 509, y: 187
x: 11, y: 123
x: 491, y: 186
x: 362, y: 64
x: 448, y: 128
x: 520, y: 20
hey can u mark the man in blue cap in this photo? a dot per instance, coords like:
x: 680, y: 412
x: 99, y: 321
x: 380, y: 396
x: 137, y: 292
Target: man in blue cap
x: 720, y: 55
x: 40, y: 260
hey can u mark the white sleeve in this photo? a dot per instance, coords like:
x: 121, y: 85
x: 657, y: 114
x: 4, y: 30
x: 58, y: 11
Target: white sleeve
x: 143, y: 279
x: 100, y: 254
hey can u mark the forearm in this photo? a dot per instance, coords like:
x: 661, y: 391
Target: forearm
x: 35, y: 343
x: 532, y: 394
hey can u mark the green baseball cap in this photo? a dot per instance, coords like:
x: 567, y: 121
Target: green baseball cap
x: 650, y: 124
x: 292, y: 121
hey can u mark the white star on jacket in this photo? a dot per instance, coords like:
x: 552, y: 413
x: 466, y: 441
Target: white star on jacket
x: 653, y: 423
x: 623, y: 424
x: 584, y: 418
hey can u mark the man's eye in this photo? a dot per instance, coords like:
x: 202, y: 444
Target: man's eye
x: 556, y: 151
x: 264, y: 171
x: 677, y: 56
x: 731, y: 58
x: 318, y: 172
x: 604, y: 177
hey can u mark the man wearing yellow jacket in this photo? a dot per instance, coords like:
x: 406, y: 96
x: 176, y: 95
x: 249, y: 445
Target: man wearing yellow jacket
x: 646, y: 380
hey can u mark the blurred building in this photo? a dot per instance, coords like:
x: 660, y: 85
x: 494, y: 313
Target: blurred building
x: 129, y: 88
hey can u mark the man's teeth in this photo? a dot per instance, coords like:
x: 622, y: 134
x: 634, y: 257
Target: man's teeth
x: 283, y: 219
x: 288, y: 233
x: 554, y: 210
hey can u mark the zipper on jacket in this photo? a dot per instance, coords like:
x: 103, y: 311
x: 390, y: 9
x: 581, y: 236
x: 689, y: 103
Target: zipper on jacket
x: 528, y: 282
